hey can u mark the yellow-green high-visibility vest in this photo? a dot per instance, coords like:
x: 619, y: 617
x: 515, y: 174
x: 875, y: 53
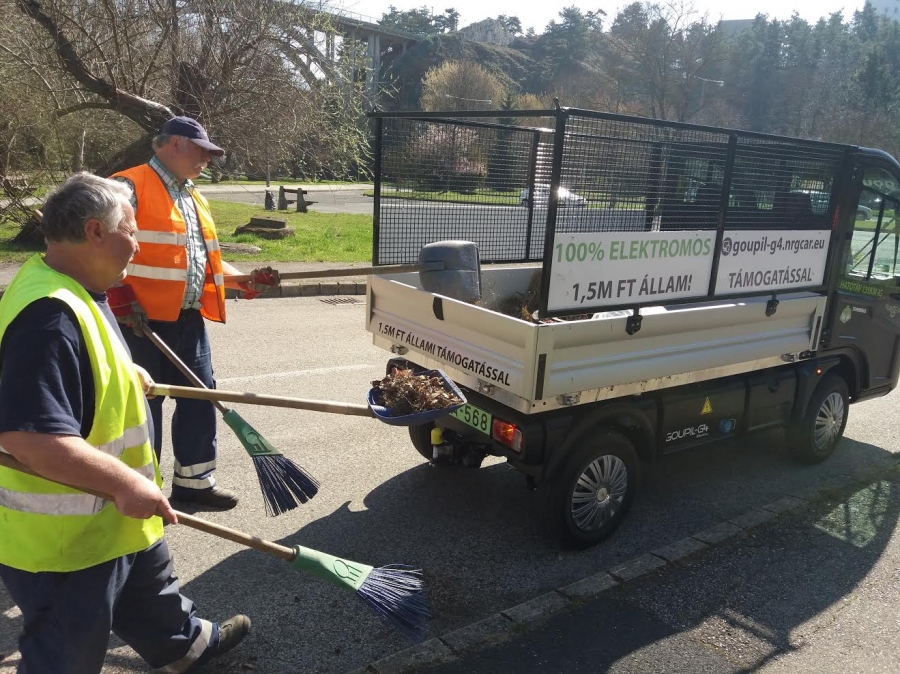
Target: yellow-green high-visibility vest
x: 47, y: 527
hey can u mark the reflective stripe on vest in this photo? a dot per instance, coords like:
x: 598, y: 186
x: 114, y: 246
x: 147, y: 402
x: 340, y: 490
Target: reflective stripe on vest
x: 61, y: 504
x: 158, y: 274
x: 132, y: 437
x: 173, y: 238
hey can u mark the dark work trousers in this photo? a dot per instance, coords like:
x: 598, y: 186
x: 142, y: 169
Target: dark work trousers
x: 68, y: 616
x: 194, y: 421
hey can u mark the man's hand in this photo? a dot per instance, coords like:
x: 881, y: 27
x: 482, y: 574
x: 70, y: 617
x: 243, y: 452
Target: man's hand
x: 145, y: 379
x: 141, y: 499
x: 261, y: 280
x: 126, y: 309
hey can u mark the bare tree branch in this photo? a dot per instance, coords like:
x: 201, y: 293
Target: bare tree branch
x: 87, y: 105
x: 33, y: 68
x: 148, y: 114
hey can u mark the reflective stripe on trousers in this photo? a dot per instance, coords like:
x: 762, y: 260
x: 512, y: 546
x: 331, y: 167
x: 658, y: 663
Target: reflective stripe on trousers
x: 201, y: 643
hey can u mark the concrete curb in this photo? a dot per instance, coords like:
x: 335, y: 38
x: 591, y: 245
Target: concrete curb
x: 512, y: 622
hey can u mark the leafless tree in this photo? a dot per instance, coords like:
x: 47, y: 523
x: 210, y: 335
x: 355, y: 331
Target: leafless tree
x: 661, y: 55
x: 250, y: 70
x: 106, y: 74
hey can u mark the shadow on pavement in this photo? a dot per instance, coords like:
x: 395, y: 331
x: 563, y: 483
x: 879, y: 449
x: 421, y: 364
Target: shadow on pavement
x: 478, y: 535
x: 733, y: 608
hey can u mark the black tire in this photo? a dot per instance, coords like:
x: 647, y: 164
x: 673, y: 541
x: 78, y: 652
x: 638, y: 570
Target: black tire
x: 421, y: 439
x: 815, y: 437
x: 590, y: 495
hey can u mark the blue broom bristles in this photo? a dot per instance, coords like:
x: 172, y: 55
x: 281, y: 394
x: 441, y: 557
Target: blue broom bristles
x: 395, y: 592
x: 284, y: 484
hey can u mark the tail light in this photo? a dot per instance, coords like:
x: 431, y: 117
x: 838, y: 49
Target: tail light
x: 507, y: 434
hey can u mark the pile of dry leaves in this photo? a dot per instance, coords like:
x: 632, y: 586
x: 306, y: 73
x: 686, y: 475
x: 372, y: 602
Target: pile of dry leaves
x: 525, y: 305
x: 403, y: 392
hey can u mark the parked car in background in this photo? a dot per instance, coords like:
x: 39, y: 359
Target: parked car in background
x: 542, y: 197
x: 819, y: 202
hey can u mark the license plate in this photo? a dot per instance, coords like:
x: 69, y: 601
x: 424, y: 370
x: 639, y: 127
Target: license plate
x: 475, y: 417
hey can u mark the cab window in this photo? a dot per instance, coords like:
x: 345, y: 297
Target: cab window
x: 874, y: 249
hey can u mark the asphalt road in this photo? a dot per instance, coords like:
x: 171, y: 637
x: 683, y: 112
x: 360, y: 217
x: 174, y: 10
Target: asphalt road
x: 476, y: 533
x: 811, y: 592
x: 328, y: 198
x: 501, y: 232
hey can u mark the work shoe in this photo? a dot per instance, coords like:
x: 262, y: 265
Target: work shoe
x: 212, y: 499
x: 231, y: 633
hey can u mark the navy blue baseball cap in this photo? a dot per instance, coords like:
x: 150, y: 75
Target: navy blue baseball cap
x: 192, y: 130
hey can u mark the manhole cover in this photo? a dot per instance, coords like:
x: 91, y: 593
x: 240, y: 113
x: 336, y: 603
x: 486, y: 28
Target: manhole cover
x: 340, y: 300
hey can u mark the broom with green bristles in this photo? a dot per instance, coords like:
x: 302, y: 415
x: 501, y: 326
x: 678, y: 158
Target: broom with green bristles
x: 395, y: 592
x: 284, y: 484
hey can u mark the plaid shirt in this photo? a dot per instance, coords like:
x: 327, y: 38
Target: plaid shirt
x: 195, y: 246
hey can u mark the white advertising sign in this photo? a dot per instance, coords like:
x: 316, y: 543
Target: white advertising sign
x: 601, y: 269
x: 771, y: 260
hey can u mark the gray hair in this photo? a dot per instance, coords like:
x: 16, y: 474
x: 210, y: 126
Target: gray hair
x: 160, y: 140
x: 82, y: 197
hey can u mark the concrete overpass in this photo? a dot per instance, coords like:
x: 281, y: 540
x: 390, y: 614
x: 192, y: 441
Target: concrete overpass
x: 362, y: 32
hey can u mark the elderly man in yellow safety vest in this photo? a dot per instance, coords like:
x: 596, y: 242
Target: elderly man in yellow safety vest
x: 73, y: 410
x: 176, y: 283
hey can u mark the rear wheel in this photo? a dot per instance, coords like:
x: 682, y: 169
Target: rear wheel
x: 815, y: 437
x: 421, y: 439
x: 588, y: 498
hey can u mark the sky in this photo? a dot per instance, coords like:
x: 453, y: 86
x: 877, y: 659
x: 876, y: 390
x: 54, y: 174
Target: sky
x: 539, y: 14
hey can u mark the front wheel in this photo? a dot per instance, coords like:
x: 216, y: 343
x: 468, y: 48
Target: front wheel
x: 815, y: 437
x: 588, y: 498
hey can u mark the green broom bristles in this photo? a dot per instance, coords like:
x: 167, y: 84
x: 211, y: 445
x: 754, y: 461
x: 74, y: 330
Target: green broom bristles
x: 395, y: 592
x: 284, y: 484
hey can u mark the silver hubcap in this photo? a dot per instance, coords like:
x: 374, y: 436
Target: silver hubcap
x: 599, y: 492
x: 829, y: 421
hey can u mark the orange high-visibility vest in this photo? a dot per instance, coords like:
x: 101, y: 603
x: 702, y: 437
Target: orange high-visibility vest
x: 158, y: 274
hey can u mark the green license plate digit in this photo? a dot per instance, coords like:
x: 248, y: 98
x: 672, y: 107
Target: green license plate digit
x: 475, y: 417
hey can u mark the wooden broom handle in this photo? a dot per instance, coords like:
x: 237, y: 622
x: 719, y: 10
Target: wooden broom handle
x: 352, y: 271
x: 185, y: 370
x: 201, y: 392
x: 273, y: 549
x: 350, y: 409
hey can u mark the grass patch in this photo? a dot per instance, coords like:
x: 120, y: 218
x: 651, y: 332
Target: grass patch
x: 319, y: 237
x: 490, y: 197
x: 870, y: 224
x: 10, y: 252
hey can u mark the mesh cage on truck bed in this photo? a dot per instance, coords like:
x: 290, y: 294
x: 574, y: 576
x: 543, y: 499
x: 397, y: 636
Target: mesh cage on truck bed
x: 623, y: 212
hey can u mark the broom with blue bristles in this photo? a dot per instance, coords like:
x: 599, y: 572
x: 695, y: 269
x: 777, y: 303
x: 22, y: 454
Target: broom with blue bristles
x: 395, y: 592
x: 284, y: 484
